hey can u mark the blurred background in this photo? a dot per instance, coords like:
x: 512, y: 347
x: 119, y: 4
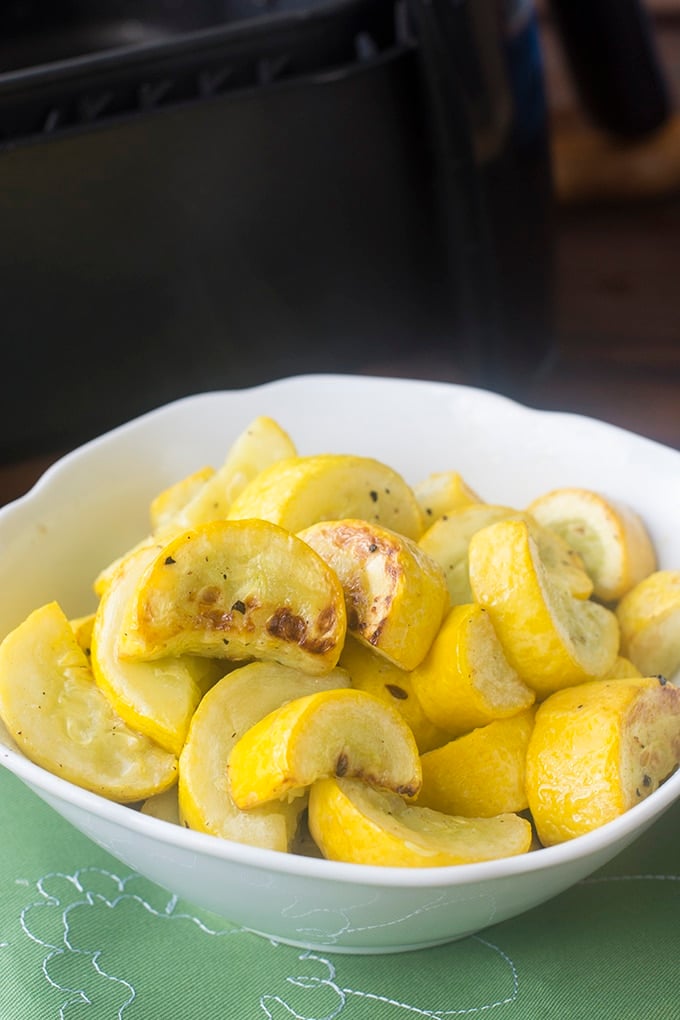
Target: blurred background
x: 211, y: 194
x: 617, y: 311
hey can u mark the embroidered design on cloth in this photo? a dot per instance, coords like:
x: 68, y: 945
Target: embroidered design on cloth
x: 68, y: 916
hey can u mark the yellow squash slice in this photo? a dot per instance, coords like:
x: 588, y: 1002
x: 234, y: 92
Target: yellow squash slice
x: 340, y: 732
x: 155, y: 541
x: 238, y: 590
x: 482, y: 773
x: 448, y: 541
x: 163, y: 806
x: 300, y: 491
x: 157, y: 698
x: 260, y: 445
x: 165, y: 507
x: 596, y: 750
x: 227, y: 712
x: 60, y: 719
x: 613, y: 542
x: 649, y: 617
x: 373, y: 674
x: 395, y: 594
x: 552, y: 639
x: 466, y: 681
x: 442, y: 492
x: 623, y: 668
x: 206, y: 494
x: 352, y: 822
x: 82, y: 627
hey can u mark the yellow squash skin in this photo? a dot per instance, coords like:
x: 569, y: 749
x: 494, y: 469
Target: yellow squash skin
x: 300, y: 491
x: 395, y: 594
x: 465, y: 681
x: 482, y: 773
x: 60, y: 719
x: 238, y: 590
x: 340, y: 732
x: 551, y: 638
x: 352, y: 822
x: 596, y: 750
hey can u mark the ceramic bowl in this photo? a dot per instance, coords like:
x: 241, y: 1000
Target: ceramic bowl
x: 93, y: 505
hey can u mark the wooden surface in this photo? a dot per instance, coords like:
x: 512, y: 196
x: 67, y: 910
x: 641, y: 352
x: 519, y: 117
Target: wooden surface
x: 617, y: 308
x: 618, y: 318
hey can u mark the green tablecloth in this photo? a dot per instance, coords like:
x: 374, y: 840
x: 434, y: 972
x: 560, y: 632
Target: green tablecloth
x: 83, y: 938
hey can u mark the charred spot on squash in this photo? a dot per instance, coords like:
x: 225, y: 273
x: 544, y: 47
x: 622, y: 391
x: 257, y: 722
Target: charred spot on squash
x: 287, y: 625
x: 237, y: 617
x: 408, y: 790
x: 214, y: 619
x: 376, y: 634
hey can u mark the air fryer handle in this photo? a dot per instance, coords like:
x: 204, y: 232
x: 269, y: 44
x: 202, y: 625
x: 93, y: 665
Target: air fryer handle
x: 611, y: 52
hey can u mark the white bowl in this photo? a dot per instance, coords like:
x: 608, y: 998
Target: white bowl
x: 93, y: 505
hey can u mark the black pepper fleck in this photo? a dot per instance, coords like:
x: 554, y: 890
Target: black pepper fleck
x: 169, y: 561
x: 238, y: 606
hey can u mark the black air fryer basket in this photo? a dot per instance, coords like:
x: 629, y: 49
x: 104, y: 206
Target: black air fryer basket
x: 209, y: 195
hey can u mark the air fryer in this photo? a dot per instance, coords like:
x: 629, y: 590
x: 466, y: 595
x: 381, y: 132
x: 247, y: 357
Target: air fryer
x: 212, y: 194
